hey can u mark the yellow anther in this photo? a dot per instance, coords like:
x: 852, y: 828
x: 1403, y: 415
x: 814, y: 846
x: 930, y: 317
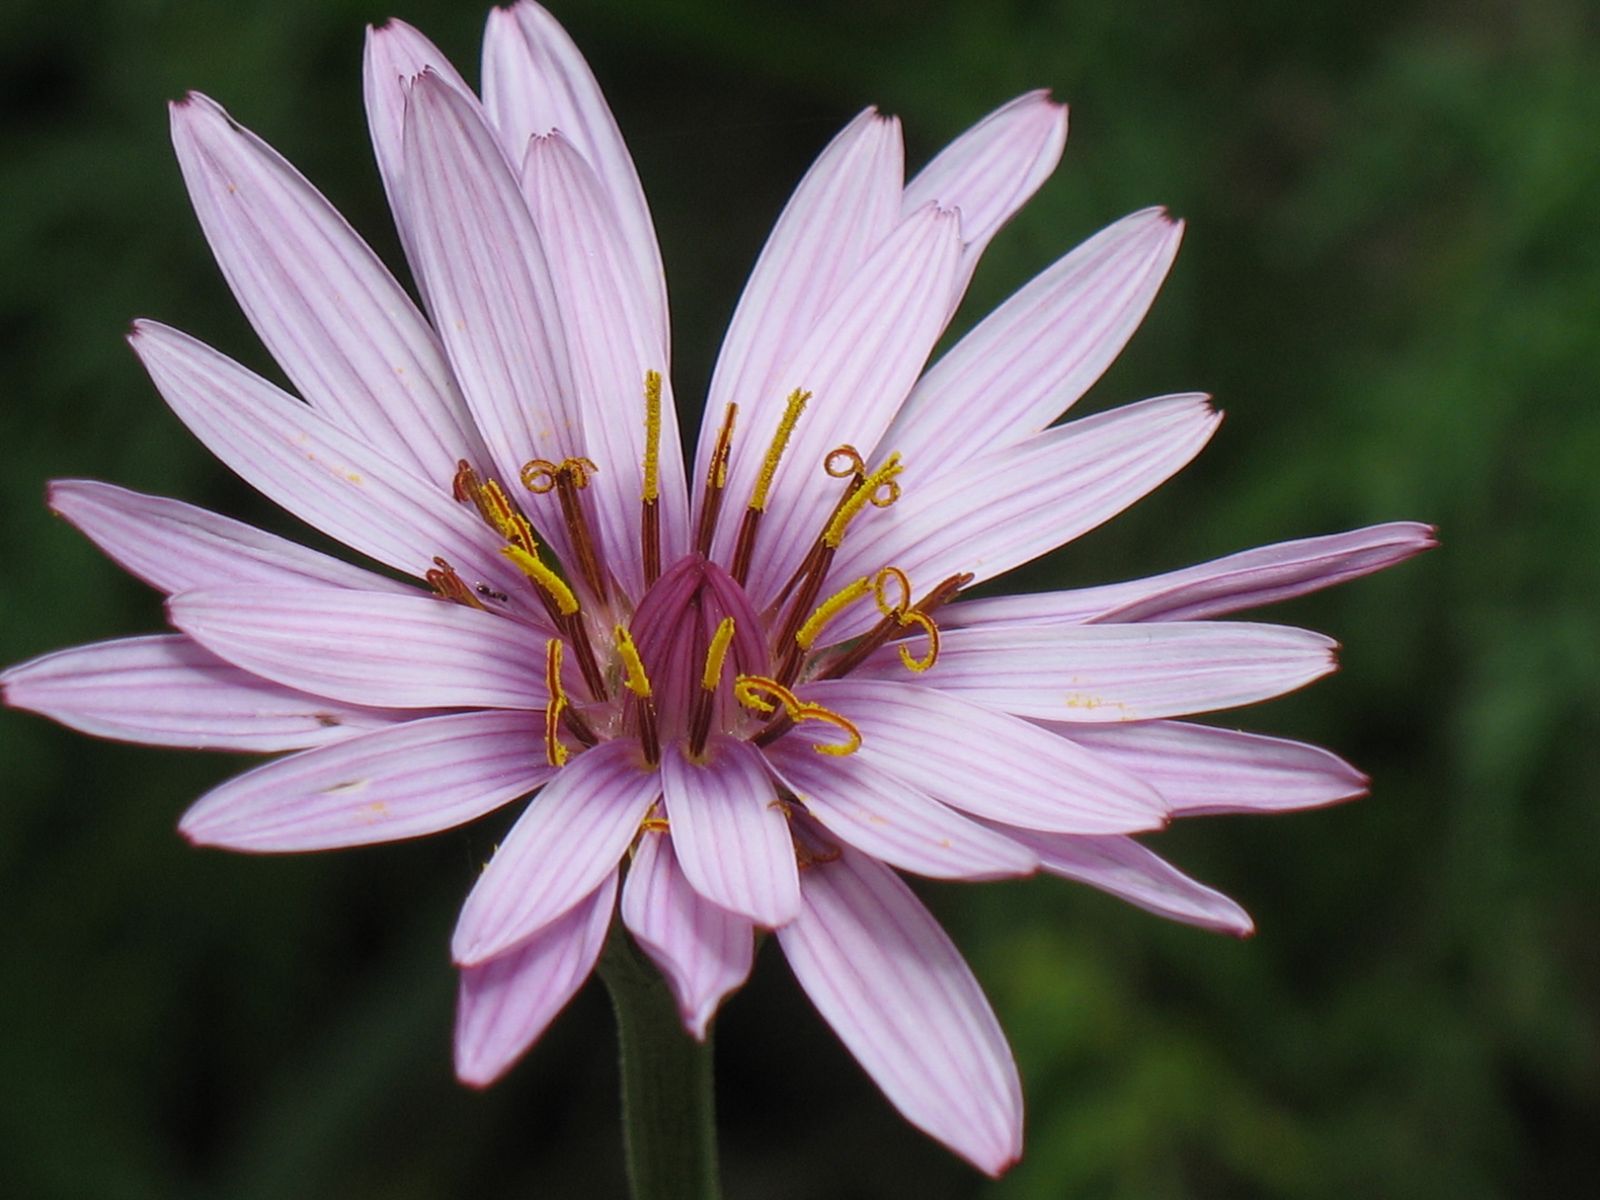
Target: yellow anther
x: 843, y: 462
x: 757, y: 692
x: 636, y: 681
x: 828, y: 609
x: 541, y: 475
x: 717, y: 471
x: 533, y: 567
x: 780, y: 441
x: 925, y: 623
x: 652, y: 436
x: 716, y: 655
x: 510, y: 524
x: 879, y: 487
x: 555, y: 752
x: 654, y: 825
x: 880, y: 594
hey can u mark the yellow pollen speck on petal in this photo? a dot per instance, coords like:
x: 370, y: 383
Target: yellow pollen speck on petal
x: 879, y: 488
x: 652, y: 436
x: 769, y: 466
x: 555, y: 752
x: 716, y: 655
x: 531, y: 566
x: 635, y: 680
x: 807, y: 634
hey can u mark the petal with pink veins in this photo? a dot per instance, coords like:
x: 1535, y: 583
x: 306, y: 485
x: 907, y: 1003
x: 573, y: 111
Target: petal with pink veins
x: 571, y: 837
x: 703, y: 951
x: 401, y: 782
x: 986, y: 763
x: 503, y: 1005
x: 730, y: 832
x: 897, y: 992
x: 165, y: 690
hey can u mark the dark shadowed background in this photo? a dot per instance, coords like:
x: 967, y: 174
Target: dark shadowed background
x: 1391, y: 283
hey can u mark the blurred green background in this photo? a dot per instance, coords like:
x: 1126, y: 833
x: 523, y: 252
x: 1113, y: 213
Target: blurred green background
x: 1391, y: 282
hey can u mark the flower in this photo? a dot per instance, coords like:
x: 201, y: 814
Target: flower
x: 745, y: 694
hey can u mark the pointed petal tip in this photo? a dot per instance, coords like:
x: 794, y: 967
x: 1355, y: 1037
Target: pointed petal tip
x: 478, y: 1076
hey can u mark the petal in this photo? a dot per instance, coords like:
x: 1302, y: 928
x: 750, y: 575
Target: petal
x: 729, y: 831
x: 859, y: 362
x: 1125, y: 869
x: 167, y: 691
x: 991, y: 170
x: 174, y: 546
x: 1034, y: 356
x: 1007, y: 507
x: 1249, y: 579
x: 848, y: 202
x: 1113, y: 673
x: 613, y: 343
x: 395, y: 55
x: 561, y: 849
x: 1199, y: 769
x: 506, y: 1003
x: 986, y: 763
x: 490, y: 290
x: 343, y: 330
x: 366, y: 647
x: 401, y: 782
x: 704, y: 952
x: 322, y: 475
x: 534, y: 81
x: 896, y: 991
x: 880, y: 816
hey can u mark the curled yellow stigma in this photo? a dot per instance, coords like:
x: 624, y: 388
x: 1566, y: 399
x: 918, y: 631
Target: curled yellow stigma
x: 541, y: 475
x: 780, y: 442
x: 758, y: 693
x: 652, y: 437
x: 902, y: 612
x: 533, y: 567
x: 807, y: 634
x: 843, y: 462
x: 634, y: 679
x: 880, y: 488
x: 717, y: 655
x: 555, y: 752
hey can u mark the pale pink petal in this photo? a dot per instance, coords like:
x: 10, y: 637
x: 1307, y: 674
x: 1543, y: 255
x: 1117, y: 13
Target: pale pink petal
x: 848, y: 202
x: 1034, y: 356
x: 613, y: 342
x: 984, y: 762
x: 395, y: 55
x: 167, y: 691
x: 534, y: 81
x: 506, y: 1003
x: 1249, y: 579
x: 1114, y: 673
x: 367, y: 647
x: 879, y: 815
x: 1201, y: 770
x: 859, y: 361
x: 1125, y: 869
x: 991, y: 170
x: 318, y: 472
x: 401, y: 782
x: 571, y: 837
x: 703, y: 951
x: 490, y: 291
x: 174, y: 546
x: 344, y: 331
x: 730, y: 832
x: 902, y: 1000
x: 1009, y: 506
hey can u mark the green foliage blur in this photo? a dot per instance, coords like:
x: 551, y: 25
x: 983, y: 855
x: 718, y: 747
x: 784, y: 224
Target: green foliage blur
x: 1391, y: 283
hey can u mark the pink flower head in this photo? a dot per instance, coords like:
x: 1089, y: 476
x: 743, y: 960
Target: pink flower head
x: 743, y: 693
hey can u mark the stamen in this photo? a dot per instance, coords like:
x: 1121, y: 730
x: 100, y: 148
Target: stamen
x: 494, y: 506
x: 716, y: 481
x: 567, y: 478
x: 828, y: 609
x: 555, y: 752
x: 654, y: 825
x: 751, y: 521
x: 880, y: 488
x: 844, y: 461
x: 925, y: 623
x: 636, y: 681
x: 450, y: 586
x: 554, y: 586
x: 892, y: 623
x: 717, y: 655
x: 650, y: 495
x: 753, y: 692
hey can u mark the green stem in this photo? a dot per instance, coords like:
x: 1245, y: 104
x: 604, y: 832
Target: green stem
x: 669, y: 1120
